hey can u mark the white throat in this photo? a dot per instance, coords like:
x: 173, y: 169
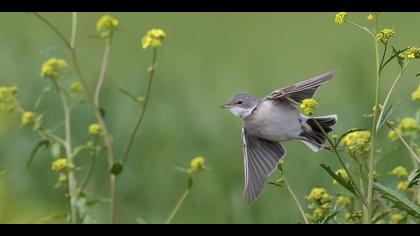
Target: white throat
x: 242, y: 112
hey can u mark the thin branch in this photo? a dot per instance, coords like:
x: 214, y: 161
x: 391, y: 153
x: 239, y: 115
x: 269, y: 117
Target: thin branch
x: 388, y: 96
x: 68, y: 147
x: 146, y: 101
x: 73, y: 30
x: 49, y: 24
x: 289, y: 189
x: 102, y: 74
x: 178, y: 205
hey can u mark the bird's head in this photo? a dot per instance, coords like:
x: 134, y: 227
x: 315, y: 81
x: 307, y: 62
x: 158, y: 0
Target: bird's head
x: 242, y: 105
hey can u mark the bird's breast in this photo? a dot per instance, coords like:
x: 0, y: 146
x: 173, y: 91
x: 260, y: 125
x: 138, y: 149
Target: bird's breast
x: 275, y: 121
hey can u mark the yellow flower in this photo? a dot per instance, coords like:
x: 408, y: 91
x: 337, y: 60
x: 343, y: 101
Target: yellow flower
x: 308, y: 106
x: 318, y: 213
x: 61, y: 164
x: 402, y: 185
x: 396, y: 218
x: 408, y: 124
x: 7, y: 92
x: 76, y: 87
x: 393, y: 135
x: 370, y: 17
x: 340, y: 18
x: 356, y: 140
x: 411, y: 53
x: 105, y: 25
x: 28, y: 118
x: 385, y: 34
x: 153, y: 38
x: 342, y: 173
x: 52, y: 68
x: 197, y: 164
x: 7, y: 98
x: 415, y: 96
x: 95, y: 129
x: 344, y: 200
x: 319, y: 195
x: 400, y: 171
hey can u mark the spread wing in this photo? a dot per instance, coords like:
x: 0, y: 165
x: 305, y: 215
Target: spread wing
x: 260, y: 160
x: 302, y: 90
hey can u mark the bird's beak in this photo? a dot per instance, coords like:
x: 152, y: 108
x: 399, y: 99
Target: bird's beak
x: 226, y: 106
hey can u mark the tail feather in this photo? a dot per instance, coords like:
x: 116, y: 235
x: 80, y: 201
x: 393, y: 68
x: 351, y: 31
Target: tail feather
x: 314, y: 137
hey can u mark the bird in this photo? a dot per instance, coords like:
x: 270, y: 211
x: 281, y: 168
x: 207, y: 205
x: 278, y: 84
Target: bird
x: 274, y: 119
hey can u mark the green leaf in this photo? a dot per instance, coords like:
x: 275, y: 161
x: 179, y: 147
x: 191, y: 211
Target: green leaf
x: 399, y: 200
x: 41, y: 96
x: 394, y: 55
x: 414, y: 178
x: 3, y: 172
x: 343, y: 182
x: 418, y: 74
x: 41, y: 144
x: 387, y: 115
x: 348, y: 132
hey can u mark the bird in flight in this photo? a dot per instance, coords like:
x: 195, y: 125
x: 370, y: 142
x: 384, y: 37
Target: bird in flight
x: 274, y: 119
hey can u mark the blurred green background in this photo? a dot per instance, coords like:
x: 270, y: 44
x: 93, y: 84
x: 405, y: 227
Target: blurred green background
x: 205, y: 60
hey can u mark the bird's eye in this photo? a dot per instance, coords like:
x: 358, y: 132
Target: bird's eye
x: 240, y: 102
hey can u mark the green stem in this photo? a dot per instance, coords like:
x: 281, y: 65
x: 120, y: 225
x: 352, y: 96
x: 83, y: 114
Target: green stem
x: 106, y: 134
x: 146, y: 101
x: 371, y: 164
x: 388, y: 96
x: 178, y: 205
x: 91, y: 169
x: 72, y: 184
x: 362, y: 28
x: 73, y: 30
x: 289, y: 189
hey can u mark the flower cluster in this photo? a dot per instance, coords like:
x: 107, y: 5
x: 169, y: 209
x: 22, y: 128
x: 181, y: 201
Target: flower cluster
x: 76, y: 87
x: 407, y: 126
x: 357, y: 141
x: 340, y: 18
x: 8, y: 98
x: 53, y: 67
x: 321, y: 203
x: 385, y: 34
x: 196, y: 165
x: 308, y: 106
x: 153, y: 38
x: 61, y: 164
x: 28, y: 118
x: 95, y: 129
x: 106, y: 25
x: 402, y: 173
x: 411, y: 53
